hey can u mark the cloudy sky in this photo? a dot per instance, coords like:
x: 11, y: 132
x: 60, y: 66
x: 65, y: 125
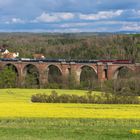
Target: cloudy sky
x: 69, y: 15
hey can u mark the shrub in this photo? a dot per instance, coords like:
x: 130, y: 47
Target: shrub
x: 103, y: 98
x: 42, y: 98
x: 64, y: 98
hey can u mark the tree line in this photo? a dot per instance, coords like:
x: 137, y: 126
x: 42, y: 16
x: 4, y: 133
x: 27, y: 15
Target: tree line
x: 74, y: 47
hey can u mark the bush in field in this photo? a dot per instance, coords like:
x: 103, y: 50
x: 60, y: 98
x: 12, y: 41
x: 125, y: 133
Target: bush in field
x: 53, y: 97
x: 103, y: 98
x: 42, y: 98
x: 124, y: 87
x: 64, y: 98
x: 119, y: 99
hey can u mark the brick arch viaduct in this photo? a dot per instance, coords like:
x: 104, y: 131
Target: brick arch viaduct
x: 105, y: 71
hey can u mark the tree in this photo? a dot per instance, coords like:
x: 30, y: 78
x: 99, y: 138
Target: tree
x: 123, y: 87
x: 32, y: 77
x: 8, y: 78
x: 88, y: 78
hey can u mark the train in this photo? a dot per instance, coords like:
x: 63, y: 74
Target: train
x: 68, y: 60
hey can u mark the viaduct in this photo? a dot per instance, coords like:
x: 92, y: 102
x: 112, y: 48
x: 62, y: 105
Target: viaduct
x: 104, y: 70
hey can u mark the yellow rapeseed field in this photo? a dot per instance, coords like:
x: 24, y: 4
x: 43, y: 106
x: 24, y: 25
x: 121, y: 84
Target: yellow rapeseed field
x: 69, y: 110
x: 16, y: 103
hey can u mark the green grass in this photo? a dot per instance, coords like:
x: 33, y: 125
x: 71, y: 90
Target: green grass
x: 45, y: 128
x: 68, y: 129
x: 24, y: 95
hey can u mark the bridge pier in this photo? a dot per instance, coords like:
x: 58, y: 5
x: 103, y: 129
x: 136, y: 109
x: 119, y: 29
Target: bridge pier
x: 43, y: 75
x: 75, y: 73
x: 21, y: 74
x: 109, y: 71
x: 21, y: 80
x: 65, y: 73
x: 101, y: 72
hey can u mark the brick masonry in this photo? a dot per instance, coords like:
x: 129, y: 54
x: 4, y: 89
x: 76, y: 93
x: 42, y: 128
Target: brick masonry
x: 104, y: 71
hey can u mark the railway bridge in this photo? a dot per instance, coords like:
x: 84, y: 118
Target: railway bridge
x: 105, y: 70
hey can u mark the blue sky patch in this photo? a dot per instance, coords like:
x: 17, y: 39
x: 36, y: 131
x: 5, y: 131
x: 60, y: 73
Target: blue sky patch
x: 69, y: 15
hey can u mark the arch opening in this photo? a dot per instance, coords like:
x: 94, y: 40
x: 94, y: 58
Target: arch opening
x: 12, y: 67
x: 31, y: 75
x: 9, y: 76
x: 54, y: 75
x: 88, y: 77
x: 123, y: 73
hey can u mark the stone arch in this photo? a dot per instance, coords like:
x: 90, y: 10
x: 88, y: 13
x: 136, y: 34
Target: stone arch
x: 92, y: 67
x: 13, y: 67
x: 31, y: 76
x: 12, y: 81
x: 88, y: 76
x: 123, y: 72
x: 55, y: 65
x: 54, y: 74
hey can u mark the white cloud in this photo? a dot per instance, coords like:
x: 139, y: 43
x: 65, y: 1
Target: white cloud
x: 14, y: 21
x: 135, y: 13
x: 54, y: 17
x: 69, y: 25
x: 87, y: 24
x: 101, y: 15
x: 60, y: 16
x: 131, y: 27
x: 75, y: 30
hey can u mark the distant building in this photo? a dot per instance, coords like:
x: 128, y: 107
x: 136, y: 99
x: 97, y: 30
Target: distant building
x: 4, y: 53
x: 10, y: 55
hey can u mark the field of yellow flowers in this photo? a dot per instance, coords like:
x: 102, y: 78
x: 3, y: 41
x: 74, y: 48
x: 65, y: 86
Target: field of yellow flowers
x: 16, y: 103
x: 31, y: 110
x: 20, y: 119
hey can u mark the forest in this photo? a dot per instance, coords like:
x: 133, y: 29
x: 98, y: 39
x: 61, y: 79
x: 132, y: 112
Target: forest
x: 73, y: 46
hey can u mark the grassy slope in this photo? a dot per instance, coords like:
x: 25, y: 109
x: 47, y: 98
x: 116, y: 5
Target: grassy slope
x: 24, y: 95
x: 17, y: 101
